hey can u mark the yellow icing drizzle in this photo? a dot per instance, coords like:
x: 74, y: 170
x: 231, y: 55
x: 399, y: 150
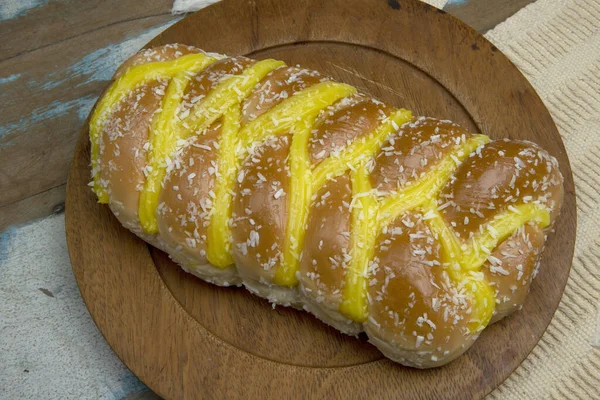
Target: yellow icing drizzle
x: 483, y: 300
x: 219, y: 249
x: 422, y: 190
x: 299, y: 203
x: 225, y: 95
x: 465, y: 262
x: 127, y: 82
x: 499, y: 228
x: 386, y: 211
x: 304, y: 181
x: 362, y: 148
x: 472, y: 282
x: 363, y: 229
x: 363, y: 237
x: 305, y: 105
x: 163, y: 140
x: 451, y: 247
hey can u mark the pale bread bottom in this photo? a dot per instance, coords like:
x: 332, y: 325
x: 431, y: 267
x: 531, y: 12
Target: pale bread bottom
x: 289, y: 297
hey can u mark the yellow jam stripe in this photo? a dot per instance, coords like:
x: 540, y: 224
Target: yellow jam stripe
x: 464, y: 264
x: 227, y: 94
x: 451, y: 248
x: 501, y: 227
x: 483, y: 300
x: 419, y: 192
x: 299, y: 204
x: 362, y: 237
x: 162, y: 144
x: 363, y: 148
x: 304, y: 104
x: 219, y: 248
x: 423, y: 194
x: 371, y: 216
x: 127, y: 82
x: 474, y: 283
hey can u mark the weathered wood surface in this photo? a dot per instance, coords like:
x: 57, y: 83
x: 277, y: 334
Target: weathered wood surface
x: 33, y: 207
x: 49, y: 79
x: 483, y: 15
x: 149, y: 310
x: 43, y: 23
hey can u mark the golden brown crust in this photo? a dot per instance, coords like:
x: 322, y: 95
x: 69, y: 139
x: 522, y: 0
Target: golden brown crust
x: 124, y: 146
x: 343, y: 123
x: 277, y: 86
x: 325, y: 256
x: 154, y: 54
x: 259, y: 216
x: 203, y: 82
x: 413, y: 151
x: 511, y: 267
x: 414, y: 305
x: 187, y: 197
x: 502, y: 174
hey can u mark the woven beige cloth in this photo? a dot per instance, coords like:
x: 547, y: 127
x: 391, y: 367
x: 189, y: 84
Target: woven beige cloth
x: 556, y: 44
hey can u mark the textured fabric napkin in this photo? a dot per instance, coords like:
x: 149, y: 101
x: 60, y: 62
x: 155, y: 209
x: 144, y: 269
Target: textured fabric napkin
x: 556, y: 44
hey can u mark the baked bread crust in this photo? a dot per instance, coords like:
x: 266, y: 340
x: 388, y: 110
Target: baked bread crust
x: 315, y: 196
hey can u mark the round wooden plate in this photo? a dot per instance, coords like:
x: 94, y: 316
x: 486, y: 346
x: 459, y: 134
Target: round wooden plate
x: 188, y: 339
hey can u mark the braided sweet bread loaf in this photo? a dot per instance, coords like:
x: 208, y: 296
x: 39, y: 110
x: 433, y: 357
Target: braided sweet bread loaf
x: 315, y: 196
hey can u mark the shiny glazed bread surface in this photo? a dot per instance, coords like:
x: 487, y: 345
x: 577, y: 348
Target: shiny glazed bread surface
x: 315, y: 196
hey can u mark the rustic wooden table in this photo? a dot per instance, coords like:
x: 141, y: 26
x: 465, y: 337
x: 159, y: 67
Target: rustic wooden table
x: 56, y: 58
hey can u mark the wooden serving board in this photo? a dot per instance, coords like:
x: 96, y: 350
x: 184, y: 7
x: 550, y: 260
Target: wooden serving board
x: 188, y: 339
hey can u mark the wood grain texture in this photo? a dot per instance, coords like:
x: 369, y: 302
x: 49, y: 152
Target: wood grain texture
x: 188, y: 340
x: 50, y: 98
x: 49, y: 22
x: 51, y: 201
x: 484, y: 15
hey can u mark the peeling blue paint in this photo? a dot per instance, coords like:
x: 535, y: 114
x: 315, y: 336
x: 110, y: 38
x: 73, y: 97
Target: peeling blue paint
x: 98, y: 65
x: 455, y: 2
x: 9, y: 79
x: 128, y: 384
x: 11, y: 9
x: 53, y: 110
x: 6, y: 238
x: 85, y: 107
x: 46, y: 85
x: 186, y: 6
x: 101, y: 64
